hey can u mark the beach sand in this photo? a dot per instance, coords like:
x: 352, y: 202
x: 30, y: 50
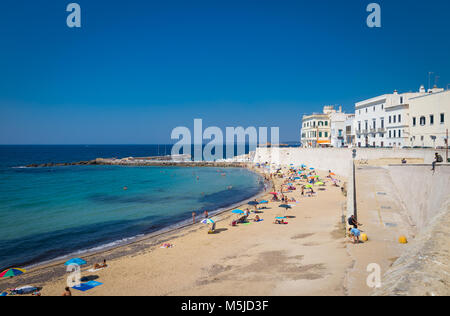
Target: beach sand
x: 305, y: 257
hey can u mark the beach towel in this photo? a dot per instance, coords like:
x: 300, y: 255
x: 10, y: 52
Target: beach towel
x: 259, y: 221
x: 95, y: 270
x: 83, y: 287
x: 93, y: 283
x: 246, y: 223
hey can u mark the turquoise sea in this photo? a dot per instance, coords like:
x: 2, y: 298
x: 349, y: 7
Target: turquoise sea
x: 47, y: 213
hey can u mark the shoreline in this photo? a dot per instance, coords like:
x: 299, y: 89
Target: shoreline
x: 180, y: 227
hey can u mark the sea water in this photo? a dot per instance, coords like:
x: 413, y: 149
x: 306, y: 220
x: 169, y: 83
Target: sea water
x: 46, y: 213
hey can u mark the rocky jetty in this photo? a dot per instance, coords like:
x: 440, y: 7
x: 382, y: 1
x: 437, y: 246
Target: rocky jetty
x: 140, y: 162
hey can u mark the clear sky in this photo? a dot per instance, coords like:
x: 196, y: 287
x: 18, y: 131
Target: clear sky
x: 137, y: 69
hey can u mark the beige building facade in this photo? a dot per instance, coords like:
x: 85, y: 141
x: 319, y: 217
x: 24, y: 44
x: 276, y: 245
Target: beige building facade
x: 429, y: 119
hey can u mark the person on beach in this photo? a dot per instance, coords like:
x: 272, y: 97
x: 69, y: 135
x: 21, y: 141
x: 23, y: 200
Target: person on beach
x: 67, y: 292
x: 257, y: 218
x: 100, y: 266
x: 303, y: 190
x: 206, y: 214
x: 353, y: 222
x: 193, y: 217
x: 355, y: 233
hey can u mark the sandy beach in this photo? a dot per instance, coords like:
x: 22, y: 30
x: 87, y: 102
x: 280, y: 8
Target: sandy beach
x: 305, y: 257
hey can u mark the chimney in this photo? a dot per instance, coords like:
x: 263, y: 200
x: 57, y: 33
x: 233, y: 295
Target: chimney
x: 395, y: 92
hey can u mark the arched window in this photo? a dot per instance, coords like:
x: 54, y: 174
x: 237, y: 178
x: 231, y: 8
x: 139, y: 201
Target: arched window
x: 423, y: 120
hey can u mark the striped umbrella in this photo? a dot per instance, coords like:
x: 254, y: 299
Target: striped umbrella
x: 207, y: 221
x: 12, y: 273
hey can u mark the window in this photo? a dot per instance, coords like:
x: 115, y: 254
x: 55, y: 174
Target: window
x: 399, y: 133
x: 414, y: 121
x: 382, y: 106
x: 395, y: 119
x: 399, y: 118
x: 382, y: 122
x: 320, y: 134
x: 431, y: 119
x: 390, y: 119
x: 401, y: 100
x: 423, y: 120
x: 374, y: 123
x: 374, y: 108
x: 395, y: 133
x: 326, y: 134
x: 359, y: 126
x: 442, y: 118
x: 390, y: 134
x: 326, y: 123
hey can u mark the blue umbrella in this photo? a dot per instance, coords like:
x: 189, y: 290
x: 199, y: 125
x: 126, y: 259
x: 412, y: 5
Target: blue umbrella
x: 280, y: 217
x: 311, y: 168
x: 76, y: 261
x: 253, y: 203
x: 238, y: 212
x: 286, y: 206
x: 264, y: 202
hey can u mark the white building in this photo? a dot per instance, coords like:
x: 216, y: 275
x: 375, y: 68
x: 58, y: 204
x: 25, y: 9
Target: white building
x: 350, y: 131
x: 383, y: 121
x: 339, y: 130
x: 316, y: 131
x: 429, y: 119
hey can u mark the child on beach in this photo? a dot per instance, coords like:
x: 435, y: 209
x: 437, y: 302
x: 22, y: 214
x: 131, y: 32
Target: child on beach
x: 355, y: 233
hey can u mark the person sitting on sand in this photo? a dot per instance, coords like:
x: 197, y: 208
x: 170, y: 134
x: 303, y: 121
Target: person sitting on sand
x: 67, y: 292
x: 355, y: 233
x: 100, y: 266
x: 257, y: 218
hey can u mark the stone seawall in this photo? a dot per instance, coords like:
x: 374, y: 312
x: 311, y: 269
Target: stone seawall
x: 141, y: 163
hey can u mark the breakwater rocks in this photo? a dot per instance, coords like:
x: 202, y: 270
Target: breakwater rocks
x: 142, y: 162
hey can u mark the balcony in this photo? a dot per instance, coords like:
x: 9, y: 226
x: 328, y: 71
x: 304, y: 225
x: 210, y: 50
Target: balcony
x: 381, y: 130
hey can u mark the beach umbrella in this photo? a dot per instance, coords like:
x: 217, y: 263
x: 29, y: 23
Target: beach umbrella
x: 263, y: 202
x: 286, y: 206
x: 297, y: 178
x: 76, y: 261
x: 280, y: 217
x: 207, y: 221
x: 238, y: 212
x: 12, y: 273
x: 254, y: 203
x: 332, y: 174
x: 317, y: 177
x: 311, y: 168
x: 274, y: 193
x: 308, y: 186
x: 320, y: 183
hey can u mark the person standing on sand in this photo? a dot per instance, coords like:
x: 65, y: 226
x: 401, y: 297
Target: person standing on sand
x: 206, y: 214
x: 193, y: 217
x: 67, y: 292
x: 355, y: 233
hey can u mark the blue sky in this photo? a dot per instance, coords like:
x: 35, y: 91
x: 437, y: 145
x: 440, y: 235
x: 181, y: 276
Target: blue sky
x: 137, y: 69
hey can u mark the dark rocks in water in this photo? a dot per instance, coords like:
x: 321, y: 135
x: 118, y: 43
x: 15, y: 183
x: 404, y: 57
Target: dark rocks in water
x: 122, y: 162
